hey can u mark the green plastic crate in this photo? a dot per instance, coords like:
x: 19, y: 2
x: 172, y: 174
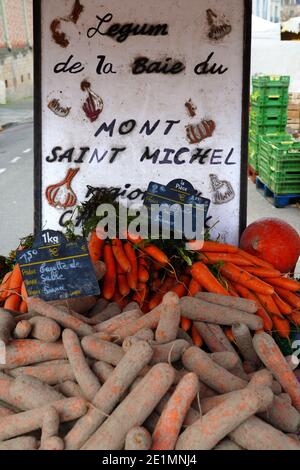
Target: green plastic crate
x: 262, y: 130
x: 265, y: 141
x: 283, y: 156
x: 267, y: 97
x: 264, y: 174
x: 283, y: 187
x: 252, y: 159
x: 268, y: 116
x: 287, y: 177
x: 270, y: 90
x: 271, y: 81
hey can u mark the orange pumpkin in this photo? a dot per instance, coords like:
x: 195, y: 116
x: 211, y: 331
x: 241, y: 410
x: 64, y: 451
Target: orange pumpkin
x: 274, y: 241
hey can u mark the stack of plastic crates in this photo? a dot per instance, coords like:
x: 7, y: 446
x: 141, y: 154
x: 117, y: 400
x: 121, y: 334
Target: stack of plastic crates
x: 279, y: 164
x: 268, y: 115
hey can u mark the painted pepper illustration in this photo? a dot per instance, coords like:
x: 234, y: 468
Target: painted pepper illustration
x: 198, y: 132
x: 222, y: 190
x: 61, y: 195
x: 219, y: 25
x: 58, y: 109
x: 93, y: 106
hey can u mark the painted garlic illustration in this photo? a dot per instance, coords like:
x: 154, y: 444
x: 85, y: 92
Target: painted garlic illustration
x: 93, y: 106
x: 219, y: 25
x: 198, y: 132
x: 222, y: 190
x: 61, y: 195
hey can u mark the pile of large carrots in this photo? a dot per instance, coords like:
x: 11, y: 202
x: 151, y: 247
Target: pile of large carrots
x: 84, y: 374
x: 142, y: 272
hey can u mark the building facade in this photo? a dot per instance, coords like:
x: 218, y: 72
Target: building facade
x: 268, y: 9
x: 16, y: 54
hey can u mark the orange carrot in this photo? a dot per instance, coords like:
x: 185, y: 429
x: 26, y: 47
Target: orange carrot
x: 261, y: 312
x: 239, y: 275
x: 204, y: 277
x: 118, y: 299
x: 284, y: 283
x: 211, y: 258
x: 185, y: 323
x: 282, y: 326
x: 156, y: 284
x: 229, y: 334
x: 268, y: 324
x: 213, y: 247
x: 4, y: 292
x: 157, y: 298
x: 255, y: 260
x: 194, y: 288
x: 291, y: 298
x: 123, y: 286
x: 16, y: 280
x: 23, y: 307
x: 269, y: 304
x: 110, y: 278
x: 120, y: 255
x: 273, y: 359
x: 181, y: 287
x: 284, y: 308
x: 132, y: 276
x: 259, y: 271
x: 143, y: 270
x: 232, y: 291
x: 24, y: 291
x: 135, y: 239
x: 295, y: 318
x: 158, y: 255
x: 96, y: 245
x: 13, y: 302
x: 141, y: 293
x: 197, y: 340
x: 168, y: 428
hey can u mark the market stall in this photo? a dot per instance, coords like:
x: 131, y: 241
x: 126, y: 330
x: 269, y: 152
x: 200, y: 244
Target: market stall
x: 113, y: 338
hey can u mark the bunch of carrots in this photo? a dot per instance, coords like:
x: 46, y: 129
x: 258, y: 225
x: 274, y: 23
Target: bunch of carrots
x: 13, y: 293
x: 142, y: 272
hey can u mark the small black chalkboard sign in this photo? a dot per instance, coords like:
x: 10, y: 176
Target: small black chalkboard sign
x: 180, y: 192
x: 54, y: 269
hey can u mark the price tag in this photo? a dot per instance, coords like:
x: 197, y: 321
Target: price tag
x: 178, y: 192
x: 54, y: 269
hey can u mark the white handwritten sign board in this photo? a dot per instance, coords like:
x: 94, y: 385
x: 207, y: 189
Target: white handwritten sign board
x: 138, y: 91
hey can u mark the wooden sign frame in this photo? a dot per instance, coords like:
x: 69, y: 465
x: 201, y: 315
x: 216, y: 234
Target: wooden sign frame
x: 38, y: 136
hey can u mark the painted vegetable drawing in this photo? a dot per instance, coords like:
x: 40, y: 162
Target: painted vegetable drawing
x: 60, y: 111
x: 198, y: 132
x: 61, y: 195
x: 93, y: 106
x: 219, y: 25
x: 222, y: 190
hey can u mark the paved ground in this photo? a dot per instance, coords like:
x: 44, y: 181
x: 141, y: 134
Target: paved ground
x: 16, y: 185
x: 259, y: 207
x: 18, y: 112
